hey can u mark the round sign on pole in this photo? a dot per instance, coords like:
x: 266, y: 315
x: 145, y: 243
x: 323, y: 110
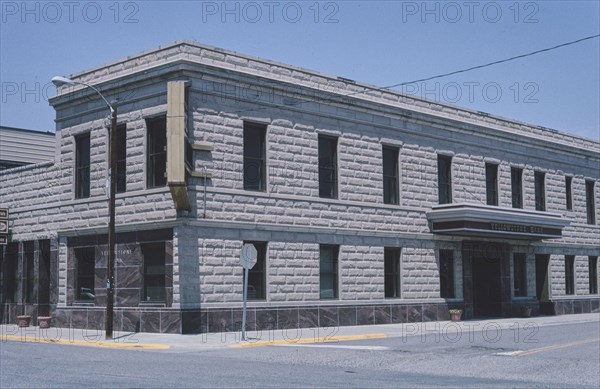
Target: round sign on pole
x: 248, y: 256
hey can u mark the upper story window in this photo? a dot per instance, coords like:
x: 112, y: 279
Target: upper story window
x: 156, y: 152
x: 328, y: 167
x: 390, y: 175
x: 590, y: 202
x: 569, y: 192
x: 255, y: 159
x: 491, y: 183
x: 121, y: 153
x: 444, y: 179
x: 540, y: 191
x: 516, y: 181
x: 82, y: 166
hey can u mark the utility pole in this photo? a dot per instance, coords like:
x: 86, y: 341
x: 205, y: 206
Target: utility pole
x: 110, y: 271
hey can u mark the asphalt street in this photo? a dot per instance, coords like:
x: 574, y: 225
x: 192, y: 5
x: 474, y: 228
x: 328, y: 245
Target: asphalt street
x: 530, y: 353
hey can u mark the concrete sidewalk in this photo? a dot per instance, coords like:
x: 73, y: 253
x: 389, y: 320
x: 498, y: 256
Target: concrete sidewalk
x: 491, y: 329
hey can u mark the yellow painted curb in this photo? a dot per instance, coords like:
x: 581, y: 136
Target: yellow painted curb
x: 323, y: 339
x: 91, y: 343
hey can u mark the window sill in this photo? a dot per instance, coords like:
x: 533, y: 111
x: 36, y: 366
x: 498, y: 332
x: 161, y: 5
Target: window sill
x: 83, y: 304
x: 152, y: 304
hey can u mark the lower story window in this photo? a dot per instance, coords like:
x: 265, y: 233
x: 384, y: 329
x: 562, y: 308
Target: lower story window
x: 447, y: 274
x: 391, y: 257
x: 328, y: 271
x: 520, y: 274
x: 154, y: 271
x: 569, y: 274
x: 593, y: 274
x: 256, y: 275
x: 85, y: 258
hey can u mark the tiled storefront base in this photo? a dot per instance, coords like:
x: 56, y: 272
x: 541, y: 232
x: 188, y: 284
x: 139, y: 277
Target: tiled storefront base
x: 574, y: 306
x: 170, y: 320
x: 165, y: 320
x: 218, y: 320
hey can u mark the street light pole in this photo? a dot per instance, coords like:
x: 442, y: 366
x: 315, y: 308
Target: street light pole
x: 112, y: 160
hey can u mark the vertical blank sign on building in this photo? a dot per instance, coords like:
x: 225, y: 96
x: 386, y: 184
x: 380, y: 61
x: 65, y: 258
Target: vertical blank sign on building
x: 3, y: 226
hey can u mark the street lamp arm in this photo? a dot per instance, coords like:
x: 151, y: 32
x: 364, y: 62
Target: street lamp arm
x: 59, y: 80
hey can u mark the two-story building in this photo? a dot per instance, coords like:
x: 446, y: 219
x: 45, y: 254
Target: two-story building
x: 366, y: 206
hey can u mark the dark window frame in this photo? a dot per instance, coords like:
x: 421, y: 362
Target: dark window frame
x: 390, y: 175
x: 156, y: 156
x: 593, y: 274
x: 392, y: 272
x: 82, y: 166
x: 255, y: 157
x: 516, y: 181
x: 29, y: 263
x: 154, y: 270
x: 257, y: 276
x: 444, y: 164
x: 520, y: 274
x: 569, y: 192
x: 569, y: 274
x: 447, y: 286
x: 590, y: 202
x: 85, y: 274
x: 328, y: 167
x: 11, y: 272
x: 539, y: 179
x: 491, y: 183
x: 330, y: 274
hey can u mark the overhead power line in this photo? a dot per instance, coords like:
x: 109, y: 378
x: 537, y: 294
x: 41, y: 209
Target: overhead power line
x: 495, y: 62
x: 434, y: 77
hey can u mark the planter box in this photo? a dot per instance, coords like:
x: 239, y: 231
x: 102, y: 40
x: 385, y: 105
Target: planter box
x: 23, y: 320
x: 44, y: 321
x: 455, y: 316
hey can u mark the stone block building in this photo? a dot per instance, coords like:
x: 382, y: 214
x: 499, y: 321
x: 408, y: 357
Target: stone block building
x: 366, y: 206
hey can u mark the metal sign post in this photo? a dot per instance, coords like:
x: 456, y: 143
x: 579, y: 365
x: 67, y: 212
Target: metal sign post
x: 248, y: 259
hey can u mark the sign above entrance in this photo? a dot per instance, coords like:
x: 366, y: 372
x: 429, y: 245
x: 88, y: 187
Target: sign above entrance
x: 481, y: 220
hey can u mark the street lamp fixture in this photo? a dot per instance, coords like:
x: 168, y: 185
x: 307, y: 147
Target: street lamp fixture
x: 112, y: 150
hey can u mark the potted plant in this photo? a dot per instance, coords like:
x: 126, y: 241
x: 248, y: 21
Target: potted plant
x: 23, y: 320
x: 526, y: 311
x: 455, y: 314
x: 44, y: 321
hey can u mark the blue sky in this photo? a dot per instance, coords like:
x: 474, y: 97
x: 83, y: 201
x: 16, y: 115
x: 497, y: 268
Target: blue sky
x: 378, y: 42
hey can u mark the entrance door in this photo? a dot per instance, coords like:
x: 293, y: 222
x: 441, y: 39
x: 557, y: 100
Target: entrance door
x: 542, y: 291
x: 487, y: 286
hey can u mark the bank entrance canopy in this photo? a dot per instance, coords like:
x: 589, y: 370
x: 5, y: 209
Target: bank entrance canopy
x: 498, y: 222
